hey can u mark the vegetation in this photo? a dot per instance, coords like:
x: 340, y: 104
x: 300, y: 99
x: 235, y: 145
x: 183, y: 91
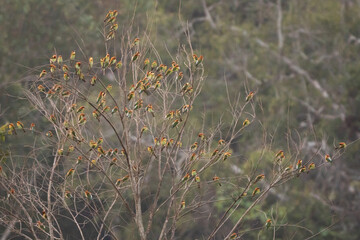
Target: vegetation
x: 204, y: 144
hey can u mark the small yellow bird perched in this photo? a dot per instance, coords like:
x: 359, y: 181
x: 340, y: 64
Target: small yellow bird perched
x: 341, y: 145
x: 268, y: 223
x: 328, y: 158
x: 250, y: 96
x: 256, y: 191
x: 69, y: 173
x: 259, y: 178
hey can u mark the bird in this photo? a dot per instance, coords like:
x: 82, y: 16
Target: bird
x: 69, y: 173
x: 201, y: 136
x: 197, y: 179
x: 216, y: 179
x: 88, y: 195
x: 311, y: 166
x: 67, y: 194
x: 328, y: 158
x: 20, y: 125
x: 43, y: 214
x: 53, y: 59
x: 259, y: 178
x: 66, y: 76
x: 149, y: 108
x: 59, y: 59
x: 226, y: 155
x: 341, y: 145
x: 268, y: 223
x: 298, y: 164
x: 194, y: 146
x: 175, y: 123
x: 186, y: 177
x: 135, y: 56
x: 256, y: 191
x: 280, y: 155
x: 43, y: 73
x: 72, y: 55
x: 135, y: 42
x: 146, y: 63
x: 118, y: 64
x: 91, y: 62
x: 182, y: 205
x: 249, y: 96
x: 92, y: 144
x: 246, y: 122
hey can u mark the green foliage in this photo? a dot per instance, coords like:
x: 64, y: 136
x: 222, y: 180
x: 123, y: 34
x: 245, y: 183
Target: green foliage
x: 320, y: 37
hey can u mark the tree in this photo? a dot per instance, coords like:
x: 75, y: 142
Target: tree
x: 123, y: 152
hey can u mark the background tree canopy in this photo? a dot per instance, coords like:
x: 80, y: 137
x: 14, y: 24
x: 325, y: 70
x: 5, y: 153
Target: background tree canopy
x: 300, y: 56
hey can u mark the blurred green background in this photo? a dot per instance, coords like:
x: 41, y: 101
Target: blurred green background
x: 300, y: 56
